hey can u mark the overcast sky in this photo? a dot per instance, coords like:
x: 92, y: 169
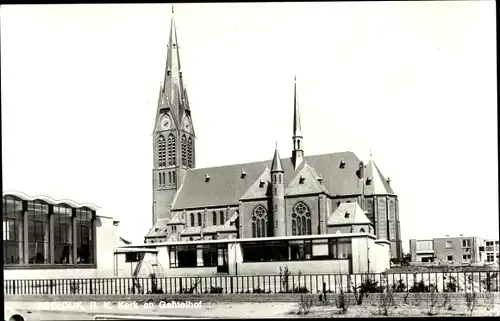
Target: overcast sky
x: 415, y: 82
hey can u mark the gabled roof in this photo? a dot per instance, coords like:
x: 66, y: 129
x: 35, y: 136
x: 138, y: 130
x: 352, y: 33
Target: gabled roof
x: 159, y: 229
x: 175, y: 220
x: 305, y: 182
x: 226, y: 185
x: 378, y: 184
x: 261, y: 188
x: 355, y: 215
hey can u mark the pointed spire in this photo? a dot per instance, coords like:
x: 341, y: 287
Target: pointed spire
x: 186, y: 99
x: 297, y: 131
x: 173, y: 73
x: 276, y: 166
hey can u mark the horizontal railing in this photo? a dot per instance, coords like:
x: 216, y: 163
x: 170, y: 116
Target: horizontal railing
x: 487, y: 281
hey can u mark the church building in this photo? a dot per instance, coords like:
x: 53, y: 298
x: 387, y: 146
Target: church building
x: 297, y: 195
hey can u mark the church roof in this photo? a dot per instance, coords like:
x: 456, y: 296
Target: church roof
x: 195, y: 230
x: 378, y: 184
x: 348, y: 213
x: 226, y: 185
x: 175, y: 220
x: 159, y: 229
x: 305, y: 182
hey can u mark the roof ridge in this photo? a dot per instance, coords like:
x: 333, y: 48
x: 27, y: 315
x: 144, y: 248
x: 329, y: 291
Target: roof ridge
x: 265, y: 161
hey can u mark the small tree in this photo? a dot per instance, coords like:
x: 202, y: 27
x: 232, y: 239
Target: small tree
x: 471, y: 301
x: 306, y: 303
x: 386, y: 301
x: 432, y: 299
x: 342, y: 302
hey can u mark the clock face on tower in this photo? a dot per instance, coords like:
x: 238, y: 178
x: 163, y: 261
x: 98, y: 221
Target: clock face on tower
x: 165, y: 122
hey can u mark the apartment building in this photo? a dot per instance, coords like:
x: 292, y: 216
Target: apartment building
x: 460, y: 250
x: 488, y: 251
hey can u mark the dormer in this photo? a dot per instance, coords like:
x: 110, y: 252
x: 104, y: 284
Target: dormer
x: 347, y: 214
x: 261, y: 183
x: 388, y: 180
x: 369, y: 180
x: 320, y: 179
x: 207, y: 178
x: 301, y: 179
x: 243, y: 174
x: 342, y: 164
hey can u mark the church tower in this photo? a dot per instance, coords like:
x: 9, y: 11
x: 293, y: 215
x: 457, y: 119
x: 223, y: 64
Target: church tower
x: 278, y: 198
x: 173, y: 136
x: 297, y: 153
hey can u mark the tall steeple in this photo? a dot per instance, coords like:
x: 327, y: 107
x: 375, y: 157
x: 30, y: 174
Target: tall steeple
x: 297, y: 153
x: 173, y: 136
x: 173, y: 87
x: 297, y: 130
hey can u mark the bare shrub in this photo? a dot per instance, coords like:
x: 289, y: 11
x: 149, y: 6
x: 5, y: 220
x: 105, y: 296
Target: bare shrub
x: 306, y: 302
x: 405, y: 297
x: 432, y: 300
x: 471, y: 301
x: 418, y: 298
x: 342, y: 302
x: 386, y: 301
x: 446, y: 299
x: 358, y: 296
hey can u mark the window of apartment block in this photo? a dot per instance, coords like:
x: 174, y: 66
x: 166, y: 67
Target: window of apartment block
x: 489, y: 243
x: 449, y: 245
x: 466, y: 257
x: 450, y: 258
x: 490, y: 257
x: 466, y: 243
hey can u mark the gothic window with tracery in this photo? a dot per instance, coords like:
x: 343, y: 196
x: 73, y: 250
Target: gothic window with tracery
x: 190, y: 152
x: 183, y: 150
x: 259, y: 222
x: 171, y: 149
x: 301, y: 220
x: 161, y: 151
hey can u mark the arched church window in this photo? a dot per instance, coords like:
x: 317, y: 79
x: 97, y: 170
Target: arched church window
x: 159, y: 178
x: 171, y: 149
x: 222, y: 221
x: 169, y: 177
x: 163, y: 177
x: 214, y: 218
x: 259, y: 224
x: 199, y: 219
x: 161, y: 151
x: 183, y: 150
x: 192, y: 219
x: 301, y: 220
x: 190, y: 152
x: 361, y: 230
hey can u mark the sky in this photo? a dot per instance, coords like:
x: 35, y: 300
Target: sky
x: 415, y: 82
